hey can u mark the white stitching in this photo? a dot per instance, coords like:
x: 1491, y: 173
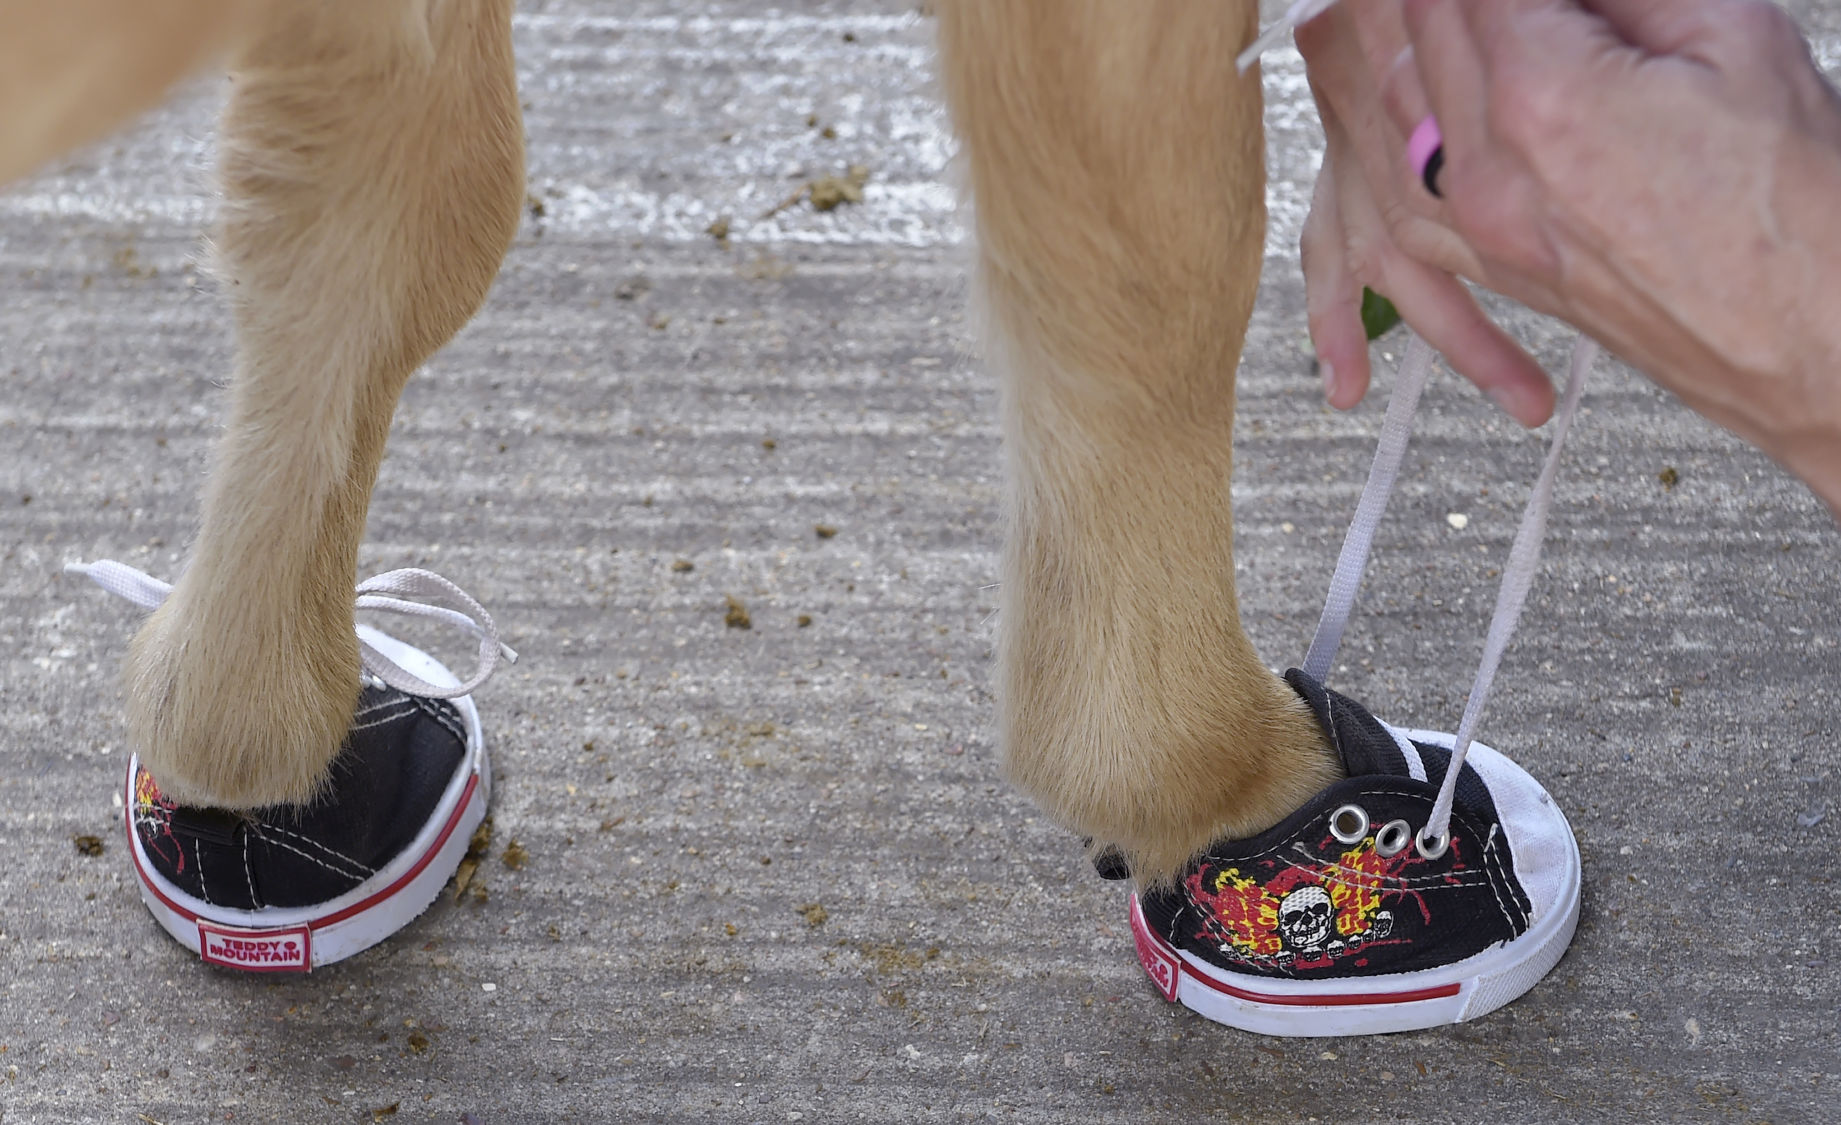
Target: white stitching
x: 1512, y: 883
x: 390, y: 700
x: 440, y: 716
x: 305, y: 856
x: 322, y: 847
x: 254, y: 902
x: 198, y: 855
x: 1362, y: 880
x: 1494, y: 889
x: 380, y: 722
x: 1492, y: 856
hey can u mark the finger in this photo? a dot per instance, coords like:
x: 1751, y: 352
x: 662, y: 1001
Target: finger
x: 1380, y: 29
x: 1332, y: 295
x: 1442, y: 310
x: 1658, y: 27
x: 1380, y: 32
x: 1439, y: 308
x: 1451, y: 74
x: 1342, y: 74
x: 1402, y: 94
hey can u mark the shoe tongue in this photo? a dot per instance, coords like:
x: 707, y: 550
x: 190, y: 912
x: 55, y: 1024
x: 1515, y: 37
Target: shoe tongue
x: 1364, y: 745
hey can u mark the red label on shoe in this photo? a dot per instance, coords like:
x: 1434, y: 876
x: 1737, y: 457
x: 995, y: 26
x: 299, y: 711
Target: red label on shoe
x: 282, y: 950
x: 1157, y: 960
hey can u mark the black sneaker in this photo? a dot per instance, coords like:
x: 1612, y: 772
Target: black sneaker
x: 1344, y: 919
x: 295, y: 887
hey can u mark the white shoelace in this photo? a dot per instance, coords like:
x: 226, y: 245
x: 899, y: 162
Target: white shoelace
x: 1517, y: 574
x: 391, y: 592
x: 1524, y: 552
x: 1303, y: 11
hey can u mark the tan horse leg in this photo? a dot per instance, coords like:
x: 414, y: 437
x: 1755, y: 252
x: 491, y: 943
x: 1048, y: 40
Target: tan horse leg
x: 373, y: 176
x: 1117, y: 178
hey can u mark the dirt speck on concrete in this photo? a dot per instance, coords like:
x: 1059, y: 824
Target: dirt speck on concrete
x: 804, y: 620
x: 477, y: 847
x: 719, y: 230
x: 888, y: 957
x: 516, y: 856
x: 87, y: 845
x: 683, y: 566
x: 815, y: 914
x: 1669, y: 477
x: 128, y: 260
x: 737, y: 615
x: 824, y: 530
x: 827, y: 193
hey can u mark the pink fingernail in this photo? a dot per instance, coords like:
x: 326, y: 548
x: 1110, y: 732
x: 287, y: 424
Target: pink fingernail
x: 1423, y: 143
x: 1329, y: 379
x: 1425, y: 151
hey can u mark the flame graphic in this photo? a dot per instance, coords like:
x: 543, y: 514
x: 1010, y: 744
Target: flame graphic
x: 1241, y: 912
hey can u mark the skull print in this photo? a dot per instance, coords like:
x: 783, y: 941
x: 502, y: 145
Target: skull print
x: 1304, y: 918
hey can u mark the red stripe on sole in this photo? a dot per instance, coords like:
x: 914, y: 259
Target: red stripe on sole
x: 466, y: 798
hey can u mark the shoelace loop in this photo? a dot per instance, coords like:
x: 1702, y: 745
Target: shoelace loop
x: 408, y: 591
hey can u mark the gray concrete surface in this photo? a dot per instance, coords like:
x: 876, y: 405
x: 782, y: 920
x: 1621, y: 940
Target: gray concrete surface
x: 684, y: 788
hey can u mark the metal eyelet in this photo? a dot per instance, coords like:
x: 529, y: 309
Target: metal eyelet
x: 1349, y: 824
x: 1432, y: 851
x: 1392, y: 839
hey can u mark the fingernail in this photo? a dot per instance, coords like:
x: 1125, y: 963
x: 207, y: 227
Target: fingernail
x: 1329, y: 379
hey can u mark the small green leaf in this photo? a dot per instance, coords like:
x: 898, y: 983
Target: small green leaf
x: 1378, y: 314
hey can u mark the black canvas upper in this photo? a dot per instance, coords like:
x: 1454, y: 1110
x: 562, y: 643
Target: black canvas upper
x: 386, y: 783
x: 1297, y: 902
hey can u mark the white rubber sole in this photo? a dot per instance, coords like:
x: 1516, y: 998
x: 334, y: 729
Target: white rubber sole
x: 1455, y: 993
x: 298, y: 939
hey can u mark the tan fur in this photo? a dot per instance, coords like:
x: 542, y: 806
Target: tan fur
x: 372, y: 167
x: 373, y: 176
x: 1117, y: 177
x: 372, y: 173
x: 70, y: 70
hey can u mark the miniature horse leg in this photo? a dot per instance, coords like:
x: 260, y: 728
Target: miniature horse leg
x: 372, y: 164
x: 1117, y: 179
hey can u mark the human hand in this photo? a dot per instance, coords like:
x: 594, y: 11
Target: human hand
x: 1361, y: 230
x: 1661, y: 175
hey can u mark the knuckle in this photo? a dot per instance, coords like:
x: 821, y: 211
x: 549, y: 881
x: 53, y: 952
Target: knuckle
x: 1760, y: 26
x: 1310, y: 243
x: 1314, y: 39
x: 1489, y: 215
x: 1365, y: 259
x: 1398, y: 219
x: 1530, y: 108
